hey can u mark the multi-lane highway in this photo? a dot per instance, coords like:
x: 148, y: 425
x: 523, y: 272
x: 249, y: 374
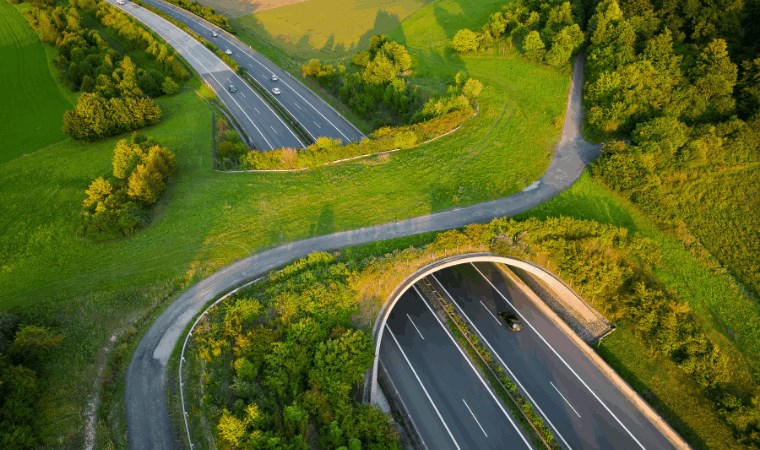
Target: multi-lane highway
x: 265, y: 129
x: 450, y: 403
x: 581, y: 405
x: 316, y: 116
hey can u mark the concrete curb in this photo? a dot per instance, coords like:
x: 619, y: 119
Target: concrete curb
x: 649, y: 412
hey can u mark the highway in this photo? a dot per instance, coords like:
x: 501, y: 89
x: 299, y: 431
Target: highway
x: 259, y: 122
x: 450, y: 403
x: 315, y: 115
x: 581, y: 405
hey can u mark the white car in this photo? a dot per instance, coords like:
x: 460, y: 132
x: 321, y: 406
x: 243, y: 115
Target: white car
x: 273, y: 77
x: 214, y: 34
x: 121, y: 2
x: 276, y: 91
x: 228, y: 51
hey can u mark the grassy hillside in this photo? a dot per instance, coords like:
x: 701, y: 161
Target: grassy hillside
x: 33, y: 105
x: 326, y: 29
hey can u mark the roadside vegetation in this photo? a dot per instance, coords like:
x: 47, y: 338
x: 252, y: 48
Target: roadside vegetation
x: 92, y: 291
x: 284, y: 361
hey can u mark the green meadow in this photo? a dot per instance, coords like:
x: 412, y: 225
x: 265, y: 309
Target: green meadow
x: 32, y: 103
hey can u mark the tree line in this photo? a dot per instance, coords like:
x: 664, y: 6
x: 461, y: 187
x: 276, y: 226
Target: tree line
x: 547, y: 32
x: 116, y: 94
x: 120, y: 205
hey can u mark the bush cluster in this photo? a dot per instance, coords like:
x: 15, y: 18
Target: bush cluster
x: 546, y: 32
x: 119, y: 206
x: 284, y: 361
x: 374, y: 87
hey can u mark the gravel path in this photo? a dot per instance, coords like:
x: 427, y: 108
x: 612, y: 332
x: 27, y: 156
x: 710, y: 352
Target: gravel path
x: 148, y: 420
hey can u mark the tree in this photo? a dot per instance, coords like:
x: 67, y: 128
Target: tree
x: 465, y: 40
x: 169, y: 86
x: 126, y: 156
x: 714, y: 78
x: 533, y: 47
x: 88, y: 120
x: 380, y: 70
x: 564, y: 44
x: 32, y: 343
x: 472, y: 88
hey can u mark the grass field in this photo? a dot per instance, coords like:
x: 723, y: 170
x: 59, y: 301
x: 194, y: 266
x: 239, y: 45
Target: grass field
x: 32, y: 104
x: 326, y: 29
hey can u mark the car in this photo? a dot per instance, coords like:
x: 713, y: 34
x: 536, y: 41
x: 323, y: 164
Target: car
x: 214, y: 34
x: 273, y: 77
x: 276, y: 91
x: 233, y: 89
x: 513, y: 322
x: 121, y: 2
x: 228, y: 51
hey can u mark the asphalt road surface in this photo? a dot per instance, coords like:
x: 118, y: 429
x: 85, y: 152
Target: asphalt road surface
x: 145, y: 399
x: 316, y: 116
x: 450, y: 403
x: 265, y: 129
x: 582, y: 406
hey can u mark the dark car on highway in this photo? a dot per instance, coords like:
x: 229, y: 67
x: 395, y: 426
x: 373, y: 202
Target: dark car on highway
x: 513, y: 322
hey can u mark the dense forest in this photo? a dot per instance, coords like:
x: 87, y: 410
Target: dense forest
x: 673, y: 89
x: 116, y: 94
x: 679, y: 98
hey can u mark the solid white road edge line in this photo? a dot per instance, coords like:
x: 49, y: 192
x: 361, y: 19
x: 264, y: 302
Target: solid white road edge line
x: 472, y: 366
x: 194, y: 18
x: 476, y: 419
x: 565, y: 399
x: 415, y: 326
x: 563, y: 360
x: 422, y: 386
x: 262, y: 100
x: 503, y: 364
x: 208, y: 72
